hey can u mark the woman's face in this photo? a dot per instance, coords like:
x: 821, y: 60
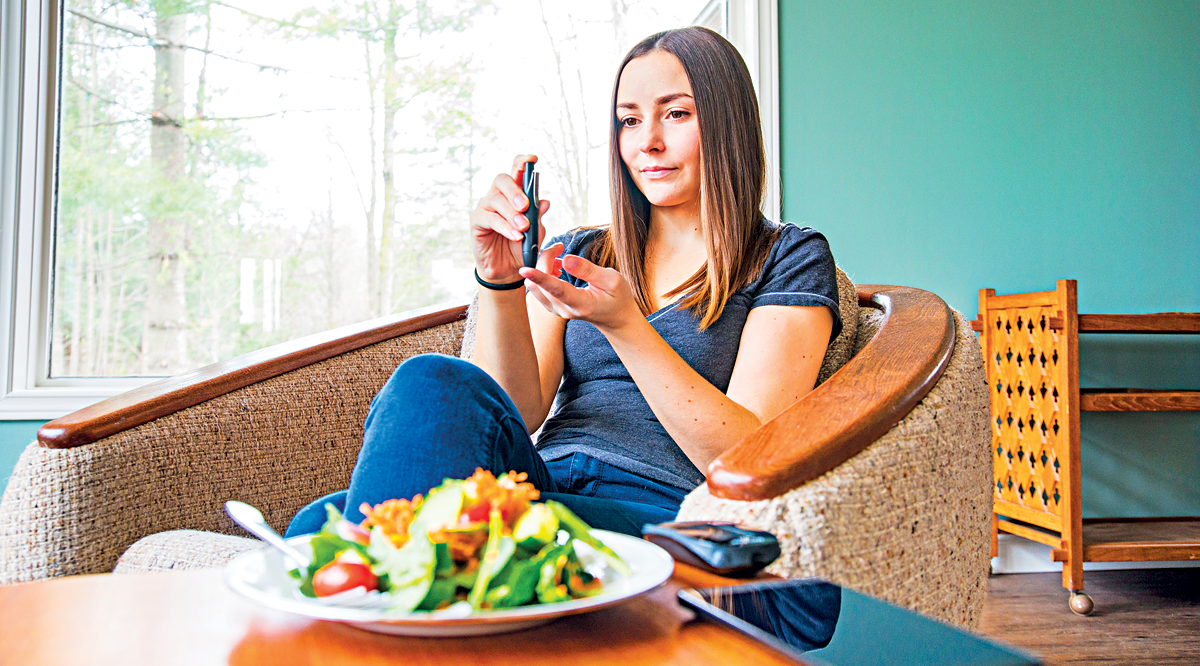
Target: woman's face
x: 660, y: 134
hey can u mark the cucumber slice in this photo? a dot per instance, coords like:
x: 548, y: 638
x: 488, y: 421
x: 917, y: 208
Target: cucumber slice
x: 441, y: 507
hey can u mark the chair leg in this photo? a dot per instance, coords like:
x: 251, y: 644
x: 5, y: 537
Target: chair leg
x: 1081, y: 603
x: 995, y: 535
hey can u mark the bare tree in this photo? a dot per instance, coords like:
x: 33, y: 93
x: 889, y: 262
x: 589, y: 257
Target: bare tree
x: 572, y: 140
x: 393, y: 82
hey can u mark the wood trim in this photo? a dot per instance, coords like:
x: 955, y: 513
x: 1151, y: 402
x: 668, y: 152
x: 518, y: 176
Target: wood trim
x: 995, y: 535
x: 857, y: 405
x: 1044, y: 520
x: 1029, y: 533
x: 979, y: 325
x: 1140, y: 539
x: 170, y: 395
x: 1160, y: 322
x: 1142, y: 552
x: 1138, y: 400
x: 1032, y: 299
x: 1142, y: 519
x: 1072, y: 516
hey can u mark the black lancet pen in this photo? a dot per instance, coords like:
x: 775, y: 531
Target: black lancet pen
x: 529, y: 246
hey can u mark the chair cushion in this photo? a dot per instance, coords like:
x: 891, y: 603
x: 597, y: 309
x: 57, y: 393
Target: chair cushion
x: 842, y: 349
x: 183, y: 549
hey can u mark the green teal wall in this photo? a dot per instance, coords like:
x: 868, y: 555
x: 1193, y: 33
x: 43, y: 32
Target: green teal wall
x: 956, y: 145
x: 14, y: 437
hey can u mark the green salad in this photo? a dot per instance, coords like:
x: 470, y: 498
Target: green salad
x: 481, y: 540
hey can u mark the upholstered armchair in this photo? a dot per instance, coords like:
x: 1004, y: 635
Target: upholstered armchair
x: 878, y: 480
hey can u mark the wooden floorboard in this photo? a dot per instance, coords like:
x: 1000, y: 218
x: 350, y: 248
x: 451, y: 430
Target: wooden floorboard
x: 1148, y: 616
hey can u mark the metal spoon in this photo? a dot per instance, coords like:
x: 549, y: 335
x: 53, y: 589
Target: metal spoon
x: 251, y: 519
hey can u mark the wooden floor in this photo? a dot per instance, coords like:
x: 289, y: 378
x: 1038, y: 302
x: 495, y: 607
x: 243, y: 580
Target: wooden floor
x: 1149, y: 616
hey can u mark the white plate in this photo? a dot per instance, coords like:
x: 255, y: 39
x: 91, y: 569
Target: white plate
x: 261, y: 576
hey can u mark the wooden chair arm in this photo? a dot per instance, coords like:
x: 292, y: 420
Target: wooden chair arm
x: 875, y: 390
x: 172, y: 394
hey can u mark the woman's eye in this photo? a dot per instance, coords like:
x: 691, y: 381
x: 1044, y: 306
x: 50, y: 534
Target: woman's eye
x: 677, y: 114
x: 629, y: 121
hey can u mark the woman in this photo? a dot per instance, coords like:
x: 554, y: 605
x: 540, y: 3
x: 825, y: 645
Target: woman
x: 664, y: 338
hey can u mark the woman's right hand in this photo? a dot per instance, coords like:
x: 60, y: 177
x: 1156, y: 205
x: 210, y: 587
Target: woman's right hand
x: 498, y: 224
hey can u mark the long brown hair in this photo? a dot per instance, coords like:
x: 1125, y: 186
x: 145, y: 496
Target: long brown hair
x: 733, y: 172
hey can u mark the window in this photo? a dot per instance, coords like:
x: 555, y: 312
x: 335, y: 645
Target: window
x: 181, y: 189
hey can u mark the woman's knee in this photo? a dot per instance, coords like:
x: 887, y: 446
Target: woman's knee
x: 437, y: 416
x: 439, y: 385
x: 426, y: 371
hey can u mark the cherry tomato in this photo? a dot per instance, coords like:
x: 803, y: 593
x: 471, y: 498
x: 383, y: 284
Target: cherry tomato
x: 478, y: 513
x: 341, y: 576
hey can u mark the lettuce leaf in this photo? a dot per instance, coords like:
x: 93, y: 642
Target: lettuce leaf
x: 496, y: 554
x: 409, y: 569
x: 578, y: 529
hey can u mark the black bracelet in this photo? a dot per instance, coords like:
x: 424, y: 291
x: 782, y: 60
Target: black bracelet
x: 499, y: 287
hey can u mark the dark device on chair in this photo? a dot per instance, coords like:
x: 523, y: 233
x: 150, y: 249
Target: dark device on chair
x: 529, y: 246
x: 721, y: 548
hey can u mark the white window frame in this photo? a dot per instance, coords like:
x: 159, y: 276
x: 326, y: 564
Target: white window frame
x: 28, y: 90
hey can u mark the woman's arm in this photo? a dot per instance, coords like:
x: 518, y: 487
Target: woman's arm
x: 779, y: 356
x: 520, y: 347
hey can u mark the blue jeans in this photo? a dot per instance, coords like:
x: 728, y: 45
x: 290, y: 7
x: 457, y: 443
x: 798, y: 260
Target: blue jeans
x: 439, y: 417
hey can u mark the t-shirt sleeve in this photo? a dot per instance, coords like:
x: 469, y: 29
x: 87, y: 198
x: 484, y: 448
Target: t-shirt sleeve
x: 800, y: 271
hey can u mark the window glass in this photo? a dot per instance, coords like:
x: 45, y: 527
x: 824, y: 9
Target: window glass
x: 233, y: 175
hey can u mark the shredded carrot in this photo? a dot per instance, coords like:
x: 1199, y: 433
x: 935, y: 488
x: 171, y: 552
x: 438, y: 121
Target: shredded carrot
x: 392, y: 516
x: 463, y: 545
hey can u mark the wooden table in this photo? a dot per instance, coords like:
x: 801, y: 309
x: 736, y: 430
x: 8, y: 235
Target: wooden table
x: 190, y: 617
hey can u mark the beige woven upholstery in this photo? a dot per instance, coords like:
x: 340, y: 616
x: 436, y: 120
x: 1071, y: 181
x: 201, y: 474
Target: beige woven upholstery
x: 842, y: 348
x: 183, y: 549
x: 905, y: 520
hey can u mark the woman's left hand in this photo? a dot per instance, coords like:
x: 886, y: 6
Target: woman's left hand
x: 607, y: 302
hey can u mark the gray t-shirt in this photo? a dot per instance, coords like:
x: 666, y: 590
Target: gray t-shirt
x: 599, y: 410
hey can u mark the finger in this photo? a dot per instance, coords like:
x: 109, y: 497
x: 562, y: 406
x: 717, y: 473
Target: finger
x: 505, y: 228
x: 500, y: 204
x: 548, y: 259
x: 496, y: 217
x: 552, y: 303
x: 511, y: 223
x: 554, y: 288
x: 577, y: 266
x: 510, y: 189
x: 540, y: 296
x: 519, y: 165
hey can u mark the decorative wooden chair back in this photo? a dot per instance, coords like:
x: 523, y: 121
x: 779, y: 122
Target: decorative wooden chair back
x: 1030, y: 349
